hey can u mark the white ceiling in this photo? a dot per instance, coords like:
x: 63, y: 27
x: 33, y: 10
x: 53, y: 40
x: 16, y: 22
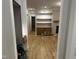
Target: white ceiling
x: 38, y: 4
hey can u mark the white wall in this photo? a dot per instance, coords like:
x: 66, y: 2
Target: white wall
x: 30, y: 20
x: 56, y: 15
x: 29, y: 24
x: 24, y: 17
x: 63, y: 29
x: 8, y: 31
x: 71, y: 40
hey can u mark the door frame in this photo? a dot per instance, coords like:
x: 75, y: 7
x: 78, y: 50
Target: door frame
x: 63, y: 28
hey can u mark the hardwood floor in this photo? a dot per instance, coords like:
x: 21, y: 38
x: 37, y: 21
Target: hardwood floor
x: 42, y: 47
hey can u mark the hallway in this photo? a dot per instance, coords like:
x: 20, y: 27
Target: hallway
x: 42, y: 47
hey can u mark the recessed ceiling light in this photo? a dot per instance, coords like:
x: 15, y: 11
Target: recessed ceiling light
x: 58, y: 3
x: 45, y: 6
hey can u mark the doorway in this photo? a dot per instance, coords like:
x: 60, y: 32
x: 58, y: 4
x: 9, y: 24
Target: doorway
x: 33, y: 23
x: 57, y: 29
x: 18, y: 22
x: 43, y: 38
x: 18, y: 31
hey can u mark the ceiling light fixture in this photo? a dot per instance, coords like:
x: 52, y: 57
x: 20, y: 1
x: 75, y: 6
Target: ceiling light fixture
x: 58, y: 3
x: 44, y: 11
x: 45, y: 6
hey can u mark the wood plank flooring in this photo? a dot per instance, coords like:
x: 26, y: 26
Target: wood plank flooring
x: 42, y: 47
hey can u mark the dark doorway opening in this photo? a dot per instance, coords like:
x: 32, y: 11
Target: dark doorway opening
x: 33, y: 23
x: 57, y: 29
x: 17, y: 21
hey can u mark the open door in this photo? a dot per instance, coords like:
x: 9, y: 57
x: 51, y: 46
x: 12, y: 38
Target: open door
x: 18, y: 30
x: 18, y: 22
